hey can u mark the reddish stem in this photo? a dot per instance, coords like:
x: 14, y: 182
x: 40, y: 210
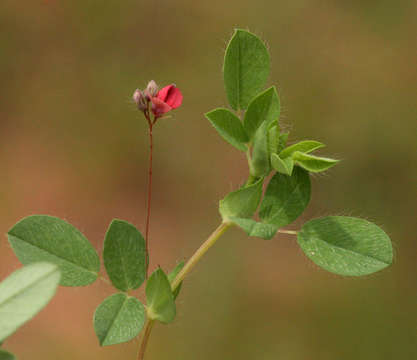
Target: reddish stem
x: 148, y: 212
x: 145, y: 339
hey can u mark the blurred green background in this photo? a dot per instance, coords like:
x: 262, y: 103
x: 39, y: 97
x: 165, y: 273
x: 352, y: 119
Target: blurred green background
x: 74, y: 146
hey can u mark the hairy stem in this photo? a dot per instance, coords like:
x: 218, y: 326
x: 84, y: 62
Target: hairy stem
x: 211, y: 240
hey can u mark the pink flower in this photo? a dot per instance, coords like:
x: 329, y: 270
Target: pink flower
x: 167, y: 99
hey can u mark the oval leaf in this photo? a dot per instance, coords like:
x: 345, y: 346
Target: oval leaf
x: 260, y: 164
x: 124, y: 255
x: 172, y: 275
x: 159, y: 297
x: 263, y: 108
x: 47, y: 238
x: 313, y: 163
x: 256, y: 229
x: 273, y: 138
x: 118, y: 319
x: 4, y: 355
x: 24, y: 293
x: 346, y: 245
x: 246, y: 68
x: 241, y: 203
x: 305, y: 146
x: 229, y: 127
x: 283, y: 166
x: 286, y: 197
x: 282, y: 141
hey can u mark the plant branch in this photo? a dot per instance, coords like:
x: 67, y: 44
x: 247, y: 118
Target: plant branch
x: 147, y: 332
x: 148, y: 211
x: 211, y: 240
x: 291, y: 232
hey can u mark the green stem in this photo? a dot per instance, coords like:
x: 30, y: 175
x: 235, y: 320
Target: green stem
x: 211, y: 240
x: 291, y: 232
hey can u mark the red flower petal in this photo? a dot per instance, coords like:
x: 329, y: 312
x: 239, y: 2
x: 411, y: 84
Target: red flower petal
x: 159, y: 107
x: 171, y: 95
x: 163, y: 93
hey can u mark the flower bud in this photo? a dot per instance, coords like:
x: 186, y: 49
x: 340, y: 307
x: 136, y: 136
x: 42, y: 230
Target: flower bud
x: 140, y: 100
x: 152, y: 89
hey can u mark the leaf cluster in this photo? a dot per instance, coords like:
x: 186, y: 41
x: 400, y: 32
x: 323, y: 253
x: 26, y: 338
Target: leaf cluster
x: 343, y: 245
x: 56, y: 252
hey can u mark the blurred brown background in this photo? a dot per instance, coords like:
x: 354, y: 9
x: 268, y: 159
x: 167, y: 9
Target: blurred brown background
x: 73, y: 146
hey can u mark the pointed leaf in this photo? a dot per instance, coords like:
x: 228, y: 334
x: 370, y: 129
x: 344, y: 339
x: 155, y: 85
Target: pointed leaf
x: 124, y: 255
x: 172, y: 275
x: 260, y: 164
x: 346, y: 245
x: 283, y: 166
x: 229, y: 127
x: 305, y: 146
x: 24, y: 293
x: 273, y: 138
x: 254, y: 228
x: 246, y: 68
x: 241, y: 203
x: 263, y: 108
x: 160, y: 300
x: 313, y: 163
x: 285, y: 198
x: 47, y: 238
x: 118, y: 319
x: 4, y: 355
x: 283, y: 137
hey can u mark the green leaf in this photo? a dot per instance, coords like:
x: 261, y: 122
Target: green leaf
x: 283, y: 137
x: 172, y: 275
x: 124, y: 255
x: 260, y: 164
x: 118, y: 319
x: 346, y: 245
x: 273, y: 139
x: 254, y: 228
x: 283, y: 166
x: 4, y: 355
x: 160, y: 300
x: 313, y: 163
x: 285, y: 198
x: 263, y: 108
x: 241, y: 203
x: 46, y: 238
x: 246, y: 68
x: 24, y: 293
x: 229, y: 127
x: 305, y: 146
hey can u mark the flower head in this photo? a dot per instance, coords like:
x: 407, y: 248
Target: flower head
x: 140, y: 100
x: 152, y: 89
x: 162, y: 101
x: 167, y: 99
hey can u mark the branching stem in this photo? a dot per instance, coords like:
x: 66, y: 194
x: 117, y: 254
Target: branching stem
x: 211, y: 240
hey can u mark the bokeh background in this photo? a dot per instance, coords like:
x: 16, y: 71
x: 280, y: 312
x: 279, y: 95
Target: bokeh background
x: 74, y: 146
